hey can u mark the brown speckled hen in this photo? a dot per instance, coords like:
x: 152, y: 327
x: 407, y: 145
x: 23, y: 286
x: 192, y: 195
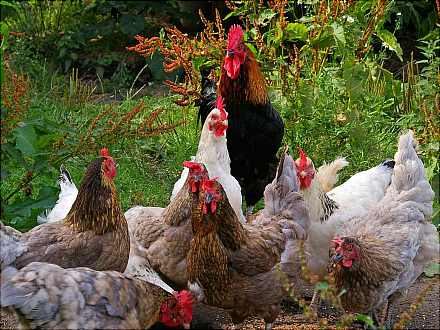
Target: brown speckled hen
x: 165, y: 234
x: 94, y: 234
x: 235, y: 266
x: 385, y: 250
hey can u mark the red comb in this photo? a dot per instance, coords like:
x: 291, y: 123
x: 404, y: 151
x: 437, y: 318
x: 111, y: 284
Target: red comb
x: 338, y: 241
x: 192, y: 165
x: 104, y: 152
x: 303, y: 157
x: 235, y: 36
x: 221, y: 107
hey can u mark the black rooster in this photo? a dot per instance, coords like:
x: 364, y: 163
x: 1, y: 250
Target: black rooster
x: 255, y: 129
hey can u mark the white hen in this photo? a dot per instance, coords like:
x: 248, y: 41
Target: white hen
x: 362, y: 191
x: 213, y: 153
x: 65, y: 200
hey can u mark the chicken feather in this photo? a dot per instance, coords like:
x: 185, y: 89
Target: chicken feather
x: 394, y: 240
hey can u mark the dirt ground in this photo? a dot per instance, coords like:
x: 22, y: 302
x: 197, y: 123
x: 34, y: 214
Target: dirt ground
x: 291, y: 317
x: 426, y: 317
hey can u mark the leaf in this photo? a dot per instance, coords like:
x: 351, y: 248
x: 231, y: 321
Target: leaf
x: 198, y: 62
x: 432, y: 269
x: 355, y: 77
x: 252, y: 48
x: 132, y: 25
x: 12, y: 152
x: 265, y: 17
x: 296, y: 31
x: 390, y: 41
x: 366, y: 319
x: 237, y: 12
x: 321, y: 286
x: 338, y: 32
x: 323, y: 40
x: 25, y: 139
x: 46, y: 199
x: 10, y: 4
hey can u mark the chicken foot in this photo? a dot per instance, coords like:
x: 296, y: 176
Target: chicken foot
x: 381, y: 316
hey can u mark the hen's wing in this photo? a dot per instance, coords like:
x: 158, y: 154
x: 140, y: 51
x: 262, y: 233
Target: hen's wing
x: 61, y: 245
x: 261, y: 251
x: 11, y: 246
x: 48, y: 296
x: 364, y: 189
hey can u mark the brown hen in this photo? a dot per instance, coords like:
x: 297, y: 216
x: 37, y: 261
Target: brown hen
x: 166, y: 234
x: 235, y: 266
x: 94, y: 234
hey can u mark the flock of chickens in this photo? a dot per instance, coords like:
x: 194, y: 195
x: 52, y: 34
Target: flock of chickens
x: 88, y: 265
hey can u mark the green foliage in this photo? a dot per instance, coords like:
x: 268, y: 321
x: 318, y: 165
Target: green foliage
x: 87, y: 35
x: 432, y: 269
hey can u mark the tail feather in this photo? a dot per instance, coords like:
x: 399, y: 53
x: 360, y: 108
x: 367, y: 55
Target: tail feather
x: 66, y: 198
x: 408, y: 168
x: 65, y: 180
x: 11, y: 246
x: 409, y: 180
x: 328, y: 173
x: 284, y: 182
x: 283, y: 199
x: 139, y: 267
x: 208, y: 97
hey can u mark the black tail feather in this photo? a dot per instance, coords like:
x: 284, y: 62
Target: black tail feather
x: 208, y: 95
x: 389, y: 163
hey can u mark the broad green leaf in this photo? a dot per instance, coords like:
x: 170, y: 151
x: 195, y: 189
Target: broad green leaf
x: 338, y: 32
x: 265, y: 16
x: 237, y: 12
x: 46, y: 199
x: 432, y: 269
x: 10, y: 4
x: 198, y: 62
x: 354, y: 76
x: 12, y: 152
x: 26, y: 139
x: 390, y: 41
x: 323, y: 40
x: 296, y: 31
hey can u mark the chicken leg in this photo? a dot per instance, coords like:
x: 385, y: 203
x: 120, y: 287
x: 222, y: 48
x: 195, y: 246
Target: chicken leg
x: 316, y: 302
